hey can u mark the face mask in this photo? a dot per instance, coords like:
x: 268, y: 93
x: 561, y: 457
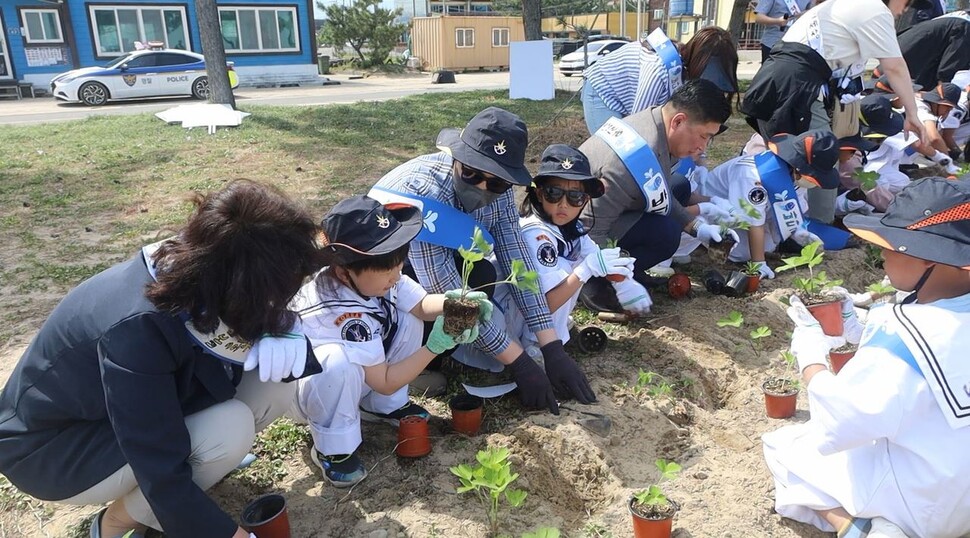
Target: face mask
x: 471, y: 197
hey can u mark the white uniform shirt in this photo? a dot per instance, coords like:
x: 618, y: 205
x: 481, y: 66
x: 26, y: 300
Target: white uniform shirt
x: 737, y: 180
x: 852, y: 32
x: 555, y: 259
x: 924, y: 114
x: 878, y: 445
x: 335, y: 314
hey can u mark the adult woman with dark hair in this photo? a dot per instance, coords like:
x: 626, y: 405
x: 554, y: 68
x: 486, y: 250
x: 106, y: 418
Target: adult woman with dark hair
x: 133, y: 392
x: 638, y: 76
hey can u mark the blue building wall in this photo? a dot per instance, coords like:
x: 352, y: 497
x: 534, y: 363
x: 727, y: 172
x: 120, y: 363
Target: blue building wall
x: 79, y: 48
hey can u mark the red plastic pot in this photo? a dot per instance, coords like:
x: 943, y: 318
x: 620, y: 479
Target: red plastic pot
x: 651, y: 528
x: 753, y: 281
x: 678, y: 285
x: 466, y: 413
x: 829, y: 316
x: 837, y: 360
x: 412, y: 437
x: 779, y: 405
x: 266, y: 517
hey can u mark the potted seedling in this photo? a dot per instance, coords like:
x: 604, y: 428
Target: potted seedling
x: 814, y: 291
x: 461, y: 313
x: 781, y: 393
x: 841, y: 355
x: 880, y: 290
x: 490, y: 480
x: 653, y: 513
x: 753, y: 274
x: 718, y: 252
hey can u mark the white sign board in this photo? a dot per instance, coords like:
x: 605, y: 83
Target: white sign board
x: 530, y: 70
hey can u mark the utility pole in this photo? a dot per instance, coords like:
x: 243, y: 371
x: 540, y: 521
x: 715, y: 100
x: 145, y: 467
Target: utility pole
x: 623, y: 18
x: 639, y: 18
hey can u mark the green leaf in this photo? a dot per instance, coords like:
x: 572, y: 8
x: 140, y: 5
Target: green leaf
x: 515, y: 497
x: 866, y: 179
x: 543, y: 532
x: 760, y: 332
x: 881, y: 288
x: 734, y: 319
x: 480, y: 244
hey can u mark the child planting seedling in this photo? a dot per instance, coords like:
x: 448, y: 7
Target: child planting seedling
x: 651, y: 508
x: 490, y: 479
x: 461, y: 309
x: 815, y: 291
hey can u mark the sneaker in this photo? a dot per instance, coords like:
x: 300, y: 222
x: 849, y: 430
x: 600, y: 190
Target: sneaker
x: 341, y: 470
x: 394, y: 417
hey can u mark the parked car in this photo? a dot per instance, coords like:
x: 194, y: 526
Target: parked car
x: 573, y: 62
x: 138, y: 74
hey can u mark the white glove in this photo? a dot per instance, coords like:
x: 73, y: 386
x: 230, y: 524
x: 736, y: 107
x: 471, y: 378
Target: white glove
x: 851, y: 327
x: 850, y: 98
x: 709, y: 232
x: 764, y: 271
x: 280, y: 356
x: 604, y: 262
x: 633, y: 297
x: 945, y: 161
x: 808, y: 343
x: 804, y: 237
x: 714, y: 213
x: 844, y: 206
x: 723, y: 204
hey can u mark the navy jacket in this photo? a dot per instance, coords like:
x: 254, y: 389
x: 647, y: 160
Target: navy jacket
x: 109, y: 380
x: 935, y: 50
x: 783, y: 90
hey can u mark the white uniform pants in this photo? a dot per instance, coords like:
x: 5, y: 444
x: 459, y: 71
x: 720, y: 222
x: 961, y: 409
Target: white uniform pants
x: 220, y: 437
x: 330, y: 401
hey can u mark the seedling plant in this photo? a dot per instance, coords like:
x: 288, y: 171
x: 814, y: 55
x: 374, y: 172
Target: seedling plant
x: 752, y: 268
x: 652, y: 502
x: 490, y: 480
x: 813, y: 287
x: 787, y: 383
x: 461, y: 313
x: 734, y: 319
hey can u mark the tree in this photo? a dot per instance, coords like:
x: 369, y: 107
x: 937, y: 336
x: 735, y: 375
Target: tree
x: 362, y: 25
x: 532, y: 19
x: 737, y: 18
x: 214, y: 50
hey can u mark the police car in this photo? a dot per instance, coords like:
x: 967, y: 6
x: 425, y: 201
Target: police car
x: 138, y: 74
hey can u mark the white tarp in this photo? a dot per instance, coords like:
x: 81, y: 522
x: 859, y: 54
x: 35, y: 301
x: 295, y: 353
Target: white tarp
x: 203, y: 115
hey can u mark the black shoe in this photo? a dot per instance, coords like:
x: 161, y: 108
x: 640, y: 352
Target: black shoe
x: 598, y: 295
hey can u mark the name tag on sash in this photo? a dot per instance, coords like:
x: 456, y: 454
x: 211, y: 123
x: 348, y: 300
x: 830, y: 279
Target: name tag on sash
x: 776, y: 179
x: 640, y: 161
x: 669, y: 56
x: 443, y: 225
x: 792, y: 6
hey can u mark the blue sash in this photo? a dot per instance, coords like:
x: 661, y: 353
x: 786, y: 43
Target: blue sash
x: 640, y: 161
x: 685, y: 166
x: 895, y: 345
x: 668, y: 54
x: 444, y: 225
x: 832, y: 238
x: 782, y: 199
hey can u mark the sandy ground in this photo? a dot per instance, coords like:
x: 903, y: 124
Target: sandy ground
x: 577, y: 480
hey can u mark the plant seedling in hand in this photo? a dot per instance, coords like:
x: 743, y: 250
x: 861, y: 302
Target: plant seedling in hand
x: 734, y: 319
x: 867, y: 180
x: 490, y: 479
x: 810, y: 257
x: 752, y: 268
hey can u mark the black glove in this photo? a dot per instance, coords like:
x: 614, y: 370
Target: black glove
x: 534, y: 388
x: 564, y: 374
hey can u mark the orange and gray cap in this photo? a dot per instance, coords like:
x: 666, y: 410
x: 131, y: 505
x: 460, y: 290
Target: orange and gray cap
x: 813, y: 154
x: 929, y: 219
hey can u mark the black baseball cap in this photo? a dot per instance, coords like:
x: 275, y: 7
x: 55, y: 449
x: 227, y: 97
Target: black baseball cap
x: 882, y: 86
x: 929, y: 219
x: 566, y: 162
x: 857, y: 143
x: 361, y: 227
x: 946, y: 93
x: 494, y: 141
x: 877, y: 117
x: 813, y: 154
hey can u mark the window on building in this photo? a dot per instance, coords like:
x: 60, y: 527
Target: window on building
x: 500, y: 37
x: 250, y: 29
x: 684, y: 28
x: 464, y: 38
x: 117, y: 28
x: 42, y: 25
x: 437, y: 8
x: 658, y: 14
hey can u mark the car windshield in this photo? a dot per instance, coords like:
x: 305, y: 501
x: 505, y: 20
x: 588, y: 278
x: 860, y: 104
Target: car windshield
x: 118, y: 61
x: 593, y: 47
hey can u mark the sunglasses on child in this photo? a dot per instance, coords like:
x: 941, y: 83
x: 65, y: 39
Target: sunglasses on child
x: 553, y: 195
x: 493, y: 184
